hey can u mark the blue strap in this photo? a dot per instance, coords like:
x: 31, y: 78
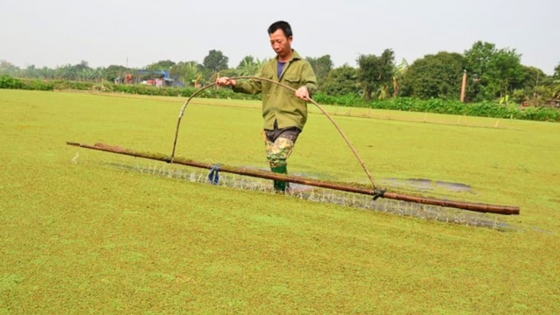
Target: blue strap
x: 214, y: 176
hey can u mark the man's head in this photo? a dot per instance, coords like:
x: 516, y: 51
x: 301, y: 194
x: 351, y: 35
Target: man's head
x: 281, y: 39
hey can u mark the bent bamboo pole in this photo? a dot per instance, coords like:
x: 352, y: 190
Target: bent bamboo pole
x: 354, y: 151
x: 353, y: 188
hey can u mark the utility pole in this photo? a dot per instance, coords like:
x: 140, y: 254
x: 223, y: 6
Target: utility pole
x: 464, y: 86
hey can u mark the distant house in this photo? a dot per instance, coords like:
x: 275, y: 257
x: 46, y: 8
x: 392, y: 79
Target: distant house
x: 162, y: 75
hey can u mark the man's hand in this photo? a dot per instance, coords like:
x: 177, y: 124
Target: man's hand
x: 303, y: 93
x: 225, y: 81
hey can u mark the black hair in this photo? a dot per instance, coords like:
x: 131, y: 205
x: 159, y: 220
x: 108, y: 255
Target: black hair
x: 284, y: 26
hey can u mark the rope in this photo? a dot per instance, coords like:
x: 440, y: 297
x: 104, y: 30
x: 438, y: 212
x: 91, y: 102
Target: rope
x: 289, y: 88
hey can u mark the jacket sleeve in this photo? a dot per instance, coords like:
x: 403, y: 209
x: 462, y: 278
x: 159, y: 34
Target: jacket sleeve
x: 309, y: 78
x: 249, y: 86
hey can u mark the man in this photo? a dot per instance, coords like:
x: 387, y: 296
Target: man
x: 284, y: 112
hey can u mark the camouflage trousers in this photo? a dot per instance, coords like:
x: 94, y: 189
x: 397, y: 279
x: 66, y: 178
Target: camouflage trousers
x: 279, y: 144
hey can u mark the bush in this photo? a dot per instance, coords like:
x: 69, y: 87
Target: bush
x: 72, y: 85
x: 484, y: 109
x: 349, y: 100
x: 539, y: 114
x: 7, y: 82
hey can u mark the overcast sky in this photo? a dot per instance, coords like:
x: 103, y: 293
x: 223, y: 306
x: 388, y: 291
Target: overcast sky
x: 140, y: 32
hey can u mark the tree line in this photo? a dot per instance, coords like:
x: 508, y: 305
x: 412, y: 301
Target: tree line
x: 492, y: 74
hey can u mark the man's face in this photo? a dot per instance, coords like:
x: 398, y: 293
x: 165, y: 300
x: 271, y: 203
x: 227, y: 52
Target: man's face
x: 280, y: 44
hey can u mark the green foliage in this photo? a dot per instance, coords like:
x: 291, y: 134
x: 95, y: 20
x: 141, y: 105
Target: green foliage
x: 556, y: 91
x: 38, y: 73
x: 186, y: 72
x: 78, y: 72
x: 535, y: 89
x: 533, y: 77
x: 492, y: 74
x: 322, y: 66
x: 452, y: 107
x: 72, y: 85
x: 433, y: 76
x: 140, y: 89
x: 432, y: 105
x: 556, y: 75
x: 7, y: 82
x: 497, y: 72
x: 341, y: 81
x: 39, y: 85
x: 161, y: 65
x: 539, y: 114
x: 115, y: 71
x: 215, y: 61
x: 376, y: 73
x: 249, y: 66
x: 399, y: 71
x: 350, y: 100
x: 7, y: 68
x: 224, y: 73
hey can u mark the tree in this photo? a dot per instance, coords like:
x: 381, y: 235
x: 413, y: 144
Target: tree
x: 387, y: 60
x: 65, y: 72
x: 532, y: 77
x: 556, y: 82
x: 532, y: 87
x: 46, y: 73
x: 437, y: 76
x: 398, y: 74
x: 375, y: 75
x: 215, y: 61
x: 478, y: 58
x: 321, y: 66
x: 82, y: 71
x: 83, y: 65
x: 249, y: 66
x: 187, y: 72
x: 341, y: 81
x: 161, y: 65
x: 90, y: 74
x: 497, y: 72
x: 30, y: 72
x: 8, y: 68
x: 368, y: 74
x: 113, y: 72
x: 506, y: 71
x: 73, y: 72
x: 556, y: 75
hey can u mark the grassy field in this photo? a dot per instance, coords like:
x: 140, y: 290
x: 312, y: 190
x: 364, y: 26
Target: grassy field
x: 81, y: 235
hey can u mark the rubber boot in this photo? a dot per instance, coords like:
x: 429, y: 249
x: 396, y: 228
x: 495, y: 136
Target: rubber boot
x: 280, y: 186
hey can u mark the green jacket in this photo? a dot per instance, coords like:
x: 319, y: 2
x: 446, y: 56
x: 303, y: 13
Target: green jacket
x: 279, y: 103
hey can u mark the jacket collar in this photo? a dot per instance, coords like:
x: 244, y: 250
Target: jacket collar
x: 295, y: 56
